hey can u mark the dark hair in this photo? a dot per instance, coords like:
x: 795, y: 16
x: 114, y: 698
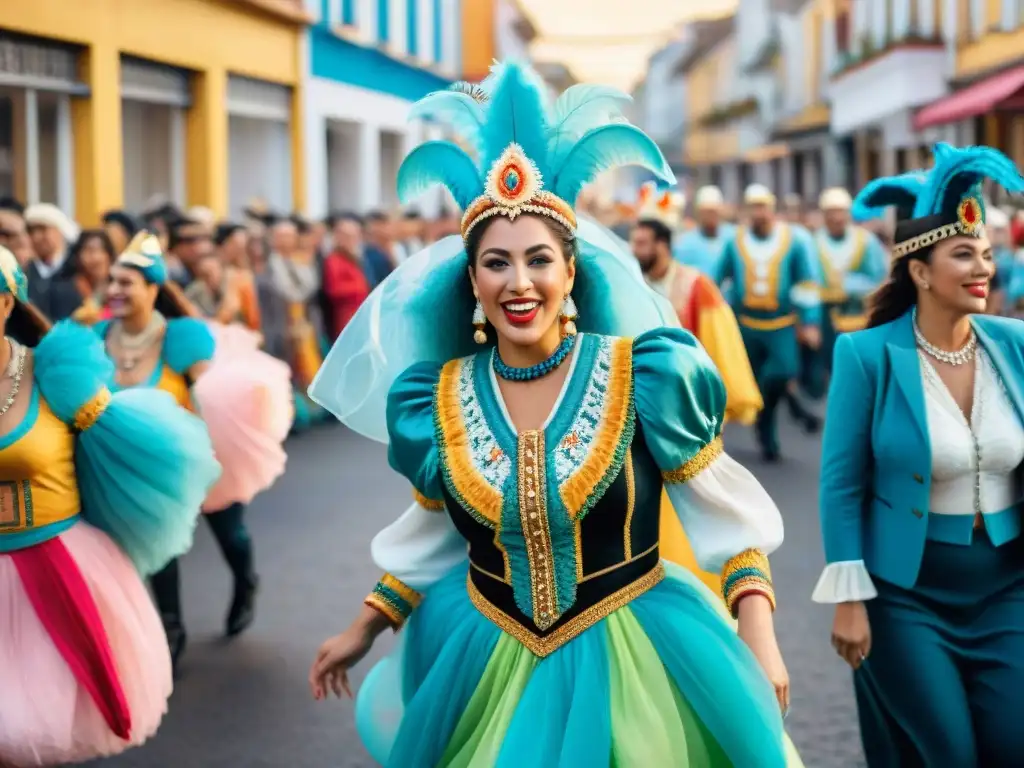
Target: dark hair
x: 897, y: 295
x: 8, y: 203
x: 75, y: 255
x: 565, y: 237
x: 376, y: 216
x: 174, y: 235
x: 172, y: 303
x: 662, y: 234
x: 123, y: 220
x: 224, y: 231
x: 413, y: 216
x: 27, y: 325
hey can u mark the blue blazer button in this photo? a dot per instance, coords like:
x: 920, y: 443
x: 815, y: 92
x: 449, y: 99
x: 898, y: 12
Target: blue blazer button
x: 918, y: 514
x: 918, y: 479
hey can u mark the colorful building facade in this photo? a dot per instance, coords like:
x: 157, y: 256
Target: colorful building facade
x: 367, y: 62
x: 109, y: 103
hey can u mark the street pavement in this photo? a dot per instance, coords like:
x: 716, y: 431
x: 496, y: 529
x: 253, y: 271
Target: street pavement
x: 246, y: 704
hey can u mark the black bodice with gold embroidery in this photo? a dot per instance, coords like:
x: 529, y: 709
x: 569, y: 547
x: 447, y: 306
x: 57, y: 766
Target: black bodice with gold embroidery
x: 562, y: 522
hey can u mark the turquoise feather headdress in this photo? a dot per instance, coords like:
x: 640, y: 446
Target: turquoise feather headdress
x: 944, y: 201
x: 524, y: 157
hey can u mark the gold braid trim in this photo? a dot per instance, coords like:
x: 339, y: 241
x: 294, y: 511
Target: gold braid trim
x: 700, y: 461
x: 92, y: 410
x: 431, y: 505
x: 381, y: 599
x: 756, y: 576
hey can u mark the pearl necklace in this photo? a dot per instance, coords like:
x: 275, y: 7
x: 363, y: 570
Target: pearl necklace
x: 961, y: 356
x: 134, y: 345
x: 18, y: 355
x: 537, y: 371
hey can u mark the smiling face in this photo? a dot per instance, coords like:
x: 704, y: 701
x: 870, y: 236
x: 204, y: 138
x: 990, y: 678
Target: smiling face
x: 521, y: 277
x: 129, y: 293
x: 958, y: 274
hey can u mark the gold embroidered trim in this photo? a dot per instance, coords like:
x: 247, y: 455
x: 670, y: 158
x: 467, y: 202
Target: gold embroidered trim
x: 390, y: 612
x: 833, y: 292
x: 431, y: 505
x: 533, y: 514
x: 769, y: 302
x: 580, y: 486
x: 548, y: 644
x: 769, y: 324
x: 848, y: 323
x: 89, y: 413
x: 747, y: 572
x: 487, y: 573
x: 624, y: 563
x: 749, y: 586
x: 403, y: 590
x: 700, y: 461
x: 630, y: 505
x: 456, y: 451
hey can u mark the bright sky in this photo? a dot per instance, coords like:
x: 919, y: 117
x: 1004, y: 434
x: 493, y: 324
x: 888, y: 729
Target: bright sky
x: 642, y: 26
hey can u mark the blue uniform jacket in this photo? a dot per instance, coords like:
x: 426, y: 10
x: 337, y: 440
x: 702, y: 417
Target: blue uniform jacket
x: 876, y: 457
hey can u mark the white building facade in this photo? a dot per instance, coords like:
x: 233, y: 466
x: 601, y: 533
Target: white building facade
x: 368, y: 61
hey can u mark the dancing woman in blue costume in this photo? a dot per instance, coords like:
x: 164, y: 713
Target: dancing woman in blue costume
x: 96, y: 491
x: 243, y: 396
x: 529, y: 389
x: 920, y: 501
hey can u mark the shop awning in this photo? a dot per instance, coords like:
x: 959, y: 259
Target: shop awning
x: 976, y: 99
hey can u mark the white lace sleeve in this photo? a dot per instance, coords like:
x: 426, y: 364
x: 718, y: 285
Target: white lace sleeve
x: 725, y: 511
x: 419, y: 548
x: 844, y: 582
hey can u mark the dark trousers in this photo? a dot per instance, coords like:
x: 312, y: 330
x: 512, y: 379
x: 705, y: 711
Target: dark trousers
x: 228, y: 526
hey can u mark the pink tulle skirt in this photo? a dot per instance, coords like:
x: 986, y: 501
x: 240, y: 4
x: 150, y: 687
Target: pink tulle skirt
x: 245, y: 398
x: 47, y: 716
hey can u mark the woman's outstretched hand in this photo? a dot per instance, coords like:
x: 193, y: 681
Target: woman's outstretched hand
x: 329, y: 673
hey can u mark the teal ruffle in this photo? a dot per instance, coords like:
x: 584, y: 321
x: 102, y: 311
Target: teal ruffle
x: 144, y: 467
x: 412, y: 450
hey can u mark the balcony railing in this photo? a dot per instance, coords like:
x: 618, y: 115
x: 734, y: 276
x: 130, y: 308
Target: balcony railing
x: 870, y: 51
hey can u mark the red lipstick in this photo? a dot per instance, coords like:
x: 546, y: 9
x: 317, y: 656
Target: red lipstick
x: 978, y: 290
x: 518, y: 316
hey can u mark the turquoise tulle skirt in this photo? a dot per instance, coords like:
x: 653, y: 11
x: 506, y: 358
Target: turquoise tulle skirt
x: 663, y: 681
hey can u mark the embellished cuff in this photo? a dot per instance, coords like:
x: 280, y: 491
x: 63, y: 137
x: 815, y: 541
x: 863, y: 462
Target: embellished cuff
x: 747, y: 573
x: 89, y: 413
x: 395, y: 599
x: 693, y: 467
x: 431, y: 505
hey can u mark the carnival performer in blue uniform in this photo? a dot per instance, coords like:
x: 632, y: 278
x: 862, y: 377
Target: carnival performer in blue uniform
x: 97, y: 490
x: 853, y: 264
x: 500, y: 369
x: 777, y: 303
x: 702, y: 246
x: 158, y: 341
x: 920, y: 504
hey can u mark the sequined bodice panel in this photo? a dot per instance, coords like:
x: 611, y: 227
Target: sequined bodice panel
x: 556, y: 518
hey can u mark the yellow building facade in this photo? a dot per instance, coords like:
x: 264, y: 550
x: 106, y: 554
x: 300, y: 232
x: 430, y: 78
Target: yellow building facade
x: 229, y: 71
x: 712, y: 137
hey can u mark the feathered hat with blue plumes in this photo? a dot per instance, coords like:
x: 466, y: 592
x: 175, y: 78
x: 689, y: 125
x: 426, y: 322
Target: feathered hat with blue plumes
x: 517, y: 156
x: 942, y: 202
x: 528, y: 159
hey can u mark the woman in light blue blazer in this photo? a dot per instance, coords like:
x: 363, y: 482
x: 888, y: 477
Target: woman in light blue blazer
x: 919, y: 495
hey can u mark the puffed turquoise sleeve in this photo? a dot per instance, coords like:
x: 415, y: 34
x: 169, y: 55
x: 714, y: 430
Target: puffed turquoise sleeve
x: 143, y: 464
x: 412, y: 446
x: 680, y: 399
x: 187, y: 341
x: 101, y: 328
x: 731, y: 522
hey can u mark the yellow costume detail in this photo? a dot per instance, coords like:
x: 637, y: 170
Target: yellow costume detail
x: 697, y: 464
x: 771, y: 324
x: 39, y: 486
x: 434, y: 505
x: 89, y: 413
x: 747, y: 573
x: 769, y: 301
x: 175, y: 385
x: 394, y: 598
x: 675, y: 546
x: 833, y: 292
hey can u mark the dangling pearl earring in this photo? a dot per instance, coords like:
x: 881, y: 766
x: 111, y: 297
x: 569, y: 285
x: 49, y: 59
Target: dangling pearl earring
x: 479, y: 322
x: 569, y: 315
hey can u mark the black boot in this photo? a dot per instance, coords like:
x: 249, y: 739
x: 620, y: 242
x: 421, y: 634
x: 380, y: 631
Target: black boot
x: 799, y: 412
x: 229, y: 529
x: 167, y: 594
x: 766, y: 428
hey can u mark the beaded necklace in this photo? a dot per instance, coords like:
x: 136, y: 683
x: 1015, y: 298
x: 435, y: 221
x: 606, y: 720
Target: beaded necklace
x: 537, y: 371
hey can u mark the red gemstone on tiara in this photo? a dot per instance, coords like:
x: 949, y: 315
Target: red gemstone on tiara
x: 970, y: 212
